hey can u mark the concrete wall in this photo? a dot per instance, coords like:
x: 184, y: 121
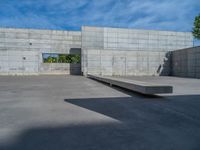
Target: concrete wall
x: 186, y: 62
x: 114, y: 51
x: 21, y: 50
x: 105, y: 51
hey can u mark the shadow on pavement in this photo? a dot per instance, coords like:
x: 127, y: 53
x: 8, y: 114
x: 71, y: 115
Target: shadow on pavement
x: 145, y: 124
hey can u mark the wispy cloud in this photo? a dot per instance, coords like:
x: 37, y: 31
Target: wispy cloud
x: 175, y: 15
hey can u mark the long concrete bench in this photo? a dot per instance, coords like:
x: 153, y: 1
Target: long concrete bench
x: 137, y: 86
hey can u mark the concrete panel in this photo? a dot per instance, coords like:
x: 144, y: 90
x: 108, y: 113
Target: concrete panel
x: 185, y: 62
x: 122, y: 42
x: 22, y: 49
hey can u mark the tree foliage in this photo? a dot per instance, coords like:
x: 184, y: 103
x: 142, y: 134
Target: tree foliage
x: 196, y: 28
x: 63, y: 58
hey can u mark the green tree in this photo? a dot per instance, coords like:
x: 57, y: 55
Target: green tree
x: 68, y: 58
x: 75, y: 59
x: 54, y: 59
x: 196, y: 28
x: 49, y: 59
x: 62, y: 58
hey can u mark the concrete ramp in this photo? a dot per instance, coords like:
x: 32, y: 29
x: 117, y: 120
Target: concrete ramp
x: 137, y: 86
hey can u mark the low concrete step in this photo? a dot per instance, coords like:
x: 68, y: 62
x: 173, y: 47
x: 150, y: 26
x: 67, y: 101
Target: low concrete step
x: 137, y: 86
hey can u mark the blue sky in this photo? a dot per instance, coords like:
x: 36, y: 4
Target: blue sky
x: 176, y: 15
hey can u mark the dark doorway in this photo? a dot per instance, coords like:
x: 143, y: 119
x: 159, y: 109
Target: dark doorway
x: 75, y: 68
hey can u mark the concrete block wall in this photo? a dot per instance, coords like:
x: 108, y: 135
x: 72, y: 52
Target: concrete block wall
x: 115, y: 51
x: 186, y: 62
x: 21, y: 50
x: 105, y: 51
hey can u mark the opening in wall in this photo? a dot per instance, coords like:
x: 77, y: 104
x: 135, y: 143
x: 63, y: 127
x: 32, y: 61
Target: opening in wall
x: 61, y: 58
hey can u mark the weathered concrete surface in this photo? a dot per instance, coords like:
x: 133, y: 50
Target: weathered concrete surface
x: 76, y: 113
x: 186, y: 62
x: 128, y: 52
x: 134, y: 85
x: 105, y: 51
x: 21, y: 50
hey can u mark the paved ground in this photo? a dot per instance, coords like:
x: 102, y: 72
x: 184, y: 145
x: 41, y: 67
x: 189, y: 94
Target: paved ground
x: 76, y: 113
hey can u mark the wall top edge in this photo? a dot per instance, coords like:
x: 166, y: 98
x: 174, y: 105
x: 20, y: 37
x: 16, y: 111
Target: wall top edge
x: 32, y: 29
x: 188, y: 48
x: 116, y: 28
x: 92, y: 27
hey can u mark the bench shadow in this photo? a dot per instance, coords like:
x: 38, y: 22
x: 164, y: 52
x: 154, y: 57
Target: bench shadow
x: 123, y: 108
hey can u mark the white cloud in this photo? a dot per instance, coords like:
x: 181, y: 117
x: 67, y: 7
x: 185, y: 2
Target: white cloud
x: 155, y: 14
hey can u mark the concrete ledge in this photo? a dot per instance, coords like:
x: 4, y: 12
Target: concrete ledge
x: 137, y: 86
